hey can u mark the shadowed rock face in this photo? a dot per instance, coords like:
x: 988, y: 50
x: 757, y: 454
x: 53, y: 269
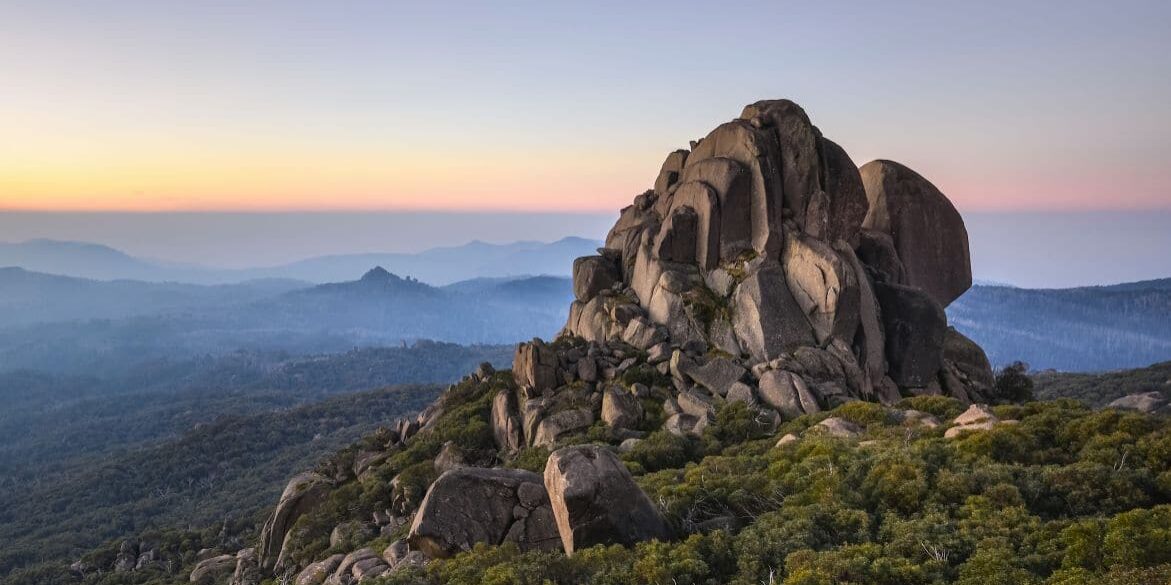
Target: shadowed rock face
x: 927, y: 231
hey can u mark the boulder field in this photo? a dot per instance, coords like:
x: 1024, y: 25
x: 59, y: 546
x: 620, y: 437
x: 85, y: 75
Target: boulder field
x: 764, y: 267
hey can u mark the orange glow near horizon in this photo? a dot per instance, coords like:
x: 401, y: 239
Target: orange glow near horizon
x: 502, y: 182
x: 312, y: 182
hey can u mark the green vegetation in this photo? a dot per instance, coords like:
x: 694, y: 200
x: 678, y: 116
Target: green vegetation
x: 1067, y: 496
x: 188, y: 443
x: 233, y: 469
x: 1099, y: 389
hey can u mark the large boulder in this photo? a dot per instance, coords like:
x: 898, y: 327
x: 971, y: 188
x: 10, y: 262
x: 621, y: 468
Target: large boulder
x: 559, y: 424
x: 213, y: 570
x: 1147, y: 402
x: 732, y: 185
x: 927, y: 231
x: 758, y: 152
x: 796, y: 139
x: 594, y: 274
x: 248, y: 571
x: 718, y: 375
x: 357, y: 566
x: 787, y: 393
x: 969, y: 365
x: 669, y: 173
x: 596, y: 501
x: 535, y: 365
x: 823, y: 285
x: 915, y: 326
x: 620, y: 409
x: 679, y: 236
x: 303, y: 493
x: 506, y: 428
x: 493, y: 506
x: 767, y: 320
x: 870, y: 338
x: 847, y: 197
x: 317, y: 573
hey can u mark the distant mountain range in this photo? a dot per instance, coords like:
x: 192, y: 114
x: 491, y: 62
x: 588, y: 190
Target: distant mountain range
x: 1075, y: 329
x: 65, y: 324
x: 437, y: 266
x: 73, y: 324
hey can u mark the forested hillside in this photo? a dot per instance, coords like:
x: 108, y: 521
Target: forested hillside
x: 1101, y: 388
x: 1077, y: 329
x: 182, y: 321
x: 223, y: 471
x: 50, y: 419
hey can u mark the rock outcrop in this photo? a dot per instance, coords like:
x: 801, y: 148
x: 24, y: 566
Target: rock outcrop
x: 468, y: 505
x: 1147, y: 402
x: 763, y: 271
x: 596, y: 501
x: 766, y: 241
x: 212, y: 570
x: 303, y: 493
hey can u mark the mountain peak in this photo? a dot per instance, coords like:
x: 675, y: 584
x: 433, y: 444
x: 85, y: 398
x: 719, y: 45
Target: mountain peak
x: 378, y: 274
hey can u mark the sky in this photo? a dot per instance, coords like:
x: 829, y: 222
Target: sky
x: 291, y: 105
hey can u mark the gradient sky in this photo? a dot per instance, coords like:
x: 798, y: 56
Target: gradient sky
x: 150, y: 105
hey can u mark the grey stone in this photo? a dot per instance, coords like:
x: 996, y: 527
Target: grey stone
x: 718, y: 375
x: 317, y: 573
x: 741, y: 392
x: 847, y: 197
x: 915, y: 326
x: 594, y: 274
x: 303, y: 494
x: 758, y: 152
x: 670, y: 171
x: 506, y: 427
x: 823, y: 285
x: 681, y: 424
x: 676, y: 241
x: 620, y: 409
x: 877, y: 251
x: 535, y: 365
x: 560, y: 424
x: 927, y: 231
x: 767, y: 320
x: 1147, y: 402
x: 798, y: 149
x: 213, y: 569
x: 787, y: 393
x: 595, y: 500
x: 703, y: 202
x: 695, y: 403
x: 642, y: 334
x: 838, y: 427
x: 470, y: 505
x: 732, y: 184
